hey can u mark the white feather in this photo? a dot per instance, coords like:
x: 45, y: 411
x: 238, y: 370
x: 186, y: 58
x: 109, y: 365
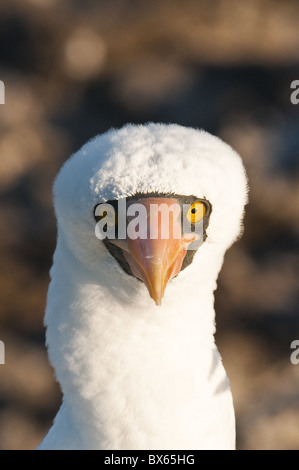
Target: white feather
x: 134, y: 375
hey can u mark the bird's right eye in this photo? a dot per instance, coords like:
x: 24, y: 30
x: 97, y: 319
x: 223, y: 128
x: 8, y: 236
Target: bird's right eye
x: 106, y: 213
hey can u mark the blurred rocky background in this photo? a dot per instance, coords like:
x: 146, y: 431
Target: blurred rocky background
x: 73, y: 69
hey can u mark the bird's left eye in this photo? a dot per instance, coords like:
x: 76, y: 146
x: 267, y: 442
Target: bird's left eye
x: 196, y: 212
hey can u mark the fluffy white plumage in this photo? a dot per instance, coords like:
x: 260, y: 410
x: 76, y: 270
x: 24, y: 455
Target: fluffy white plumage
x: 134, y: 375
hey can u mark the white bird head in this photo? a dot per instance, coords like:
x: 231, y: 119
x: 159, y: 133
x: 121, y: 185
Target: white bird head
x: 151, y: 164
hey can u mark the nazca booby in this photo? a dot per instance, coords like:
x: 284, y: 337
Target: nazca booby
x: 135, y: 375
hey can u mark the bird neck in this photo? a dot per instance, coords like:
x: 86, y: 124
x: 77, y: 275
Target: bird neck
x: 114, y: 350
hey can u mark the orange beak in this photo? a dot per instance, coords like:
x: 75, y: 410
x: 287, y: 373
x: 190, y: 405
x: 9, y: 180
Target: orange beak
x: 155, y: 261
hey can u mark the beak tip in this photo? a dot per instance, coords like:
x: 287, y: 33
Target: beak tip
x: 157, y: 298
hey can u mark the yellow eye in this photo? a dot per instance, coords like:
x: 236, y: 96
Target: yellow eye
x: 110, y: 217
x: 106, y: 213
x: 196, y: 212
